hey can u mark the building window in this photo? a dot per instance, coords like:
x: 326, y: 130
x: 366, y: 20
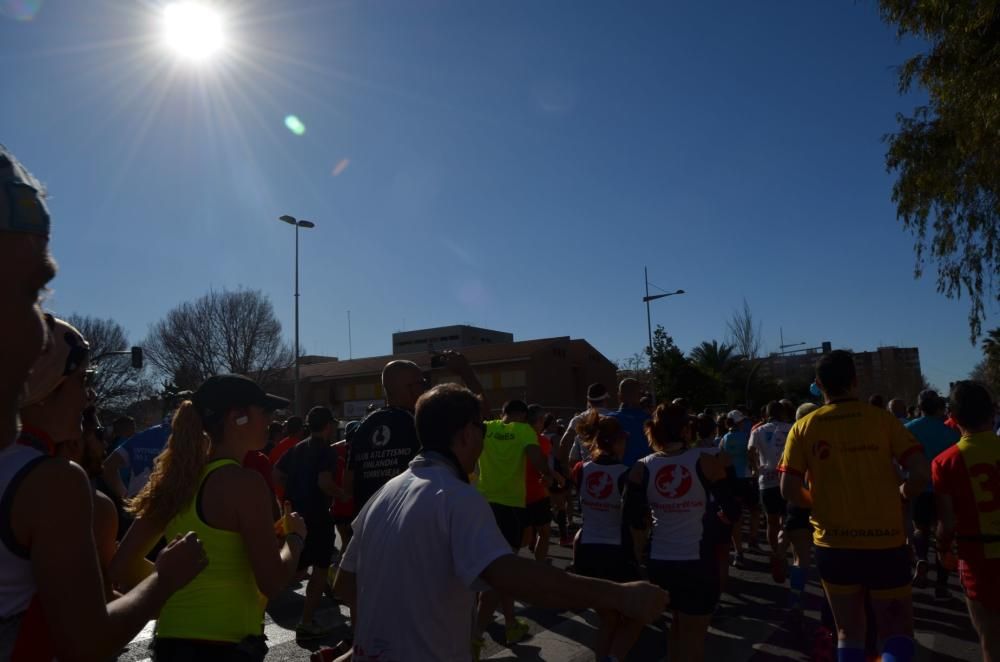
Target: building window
x: 512, y: 379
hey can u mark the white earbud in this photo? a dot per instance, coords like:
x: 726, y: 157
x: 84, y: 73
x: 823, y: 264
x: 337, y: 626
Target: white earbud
x: 242, y: 420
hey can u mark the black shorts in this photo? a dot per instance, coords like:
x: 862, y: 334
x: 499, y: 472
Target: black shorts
x: 693, y: 585
x: 924, y: 510
x: 747, y: 493
x: 320, y: 539
x: 871, y: 569
x: 770, y: 498
x: 797, y: 519
x: 538, y: 513
x: 611, y: 562
x: 510, y: 521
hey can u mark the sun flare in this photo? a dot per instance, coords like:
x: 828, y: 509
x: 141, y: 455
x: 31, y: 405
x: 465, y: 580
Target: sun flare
x: 193, y: 30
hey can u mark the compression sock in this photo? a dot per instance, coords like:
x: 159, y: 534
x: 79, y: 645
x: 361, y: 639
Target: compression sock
x: 921, y: 544
x: 898, y: 649
x: 850, y: 651
x: 561, y: 523
x: 797, y: 584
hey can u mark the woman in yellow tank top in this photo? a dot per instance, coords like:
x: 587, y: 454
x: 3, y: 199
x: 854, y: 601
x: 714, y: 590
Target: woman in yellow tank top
x: 198, y: 484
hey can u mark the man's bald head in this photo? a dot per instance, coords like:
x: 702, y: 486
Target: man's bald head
x: 403, y: 383
x: 629, y: 392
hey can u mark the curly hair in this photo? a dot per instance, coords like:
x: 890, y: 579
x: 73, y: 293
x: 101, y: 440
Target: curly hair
x: 177, y: 469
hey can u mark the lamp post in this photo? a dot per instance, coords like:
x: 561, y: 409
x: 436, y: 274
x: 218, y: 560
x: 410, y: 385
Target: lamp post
x: 646, y: 299
x: 291, y: 220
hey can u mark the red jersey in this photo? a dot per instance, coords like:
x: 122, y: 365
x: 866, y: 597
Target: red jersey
x: 341, y: 509
x: 969, y: 473
x: 283, y: 447
x: 535, y: 488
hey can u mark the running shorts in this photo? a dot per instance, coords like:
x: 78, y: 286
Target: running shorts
x: 318, y: 549
x: 611, y: 562
x: 797, y: 519
x: 747, y: 493
x: 881, y: 571
x: 693, y: 585
x: 510, y: 521
x: 770, y: 498
x: 538, y: 513
x: 981, y: 581
x: 924, y: 511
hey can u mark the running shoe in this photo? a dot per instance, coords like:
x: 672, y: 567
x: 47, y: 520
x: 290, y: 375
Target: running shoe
x: 738, y: 561
x: 312, y: 630
x: 920, y: 575
x: 517, y: 631
x: 779, y: 569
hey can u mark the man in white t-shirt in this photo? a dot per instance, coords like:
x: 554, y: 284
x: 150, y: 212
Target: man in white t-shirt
x: 764, y: 450
x: 427, y: 541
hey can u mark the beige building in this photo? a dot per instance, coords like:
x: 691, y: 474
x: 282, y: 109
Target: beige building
x: 553, y: 372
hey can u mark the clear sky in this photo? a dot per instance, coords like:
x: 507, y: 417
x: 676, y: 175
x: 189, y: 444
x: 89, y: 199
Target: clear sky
x: 512, y: 165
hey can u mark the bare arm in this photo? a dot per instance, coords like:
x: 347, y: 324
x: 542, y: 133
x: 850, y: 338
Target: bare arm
x: 112, y: 478
x: 105, y: 530
x: 794, y: 492
x: 273, y: 563
x: 129, y: 566
x: 458, y: 364
x: 542, y: 585
x: 538, y: 463
x: 918, y: 471
x: 66, y: 569
x: 566, y: 445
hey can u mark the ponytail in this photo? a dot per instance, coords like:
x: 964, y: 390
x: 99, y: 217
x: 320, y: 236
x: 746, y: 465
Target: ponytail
x: 598, y: 433
x: 177, y: 469
x: 666, y: 428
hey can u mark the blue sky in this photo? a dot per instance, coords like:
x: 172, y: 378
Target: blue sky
x: 506, y: 164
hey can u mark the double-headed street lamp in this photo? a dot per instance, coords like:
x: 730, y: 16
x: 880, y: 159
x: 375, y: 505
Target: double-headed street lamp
x: 646, y: 299
x: 291, y: 220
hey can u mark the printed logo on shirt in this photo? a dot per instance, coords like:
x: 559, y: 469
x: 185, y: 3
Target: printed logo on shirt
x: 673, y: 481
x: 599, y: 485
x: 381, y: 436
x: 821, y: 449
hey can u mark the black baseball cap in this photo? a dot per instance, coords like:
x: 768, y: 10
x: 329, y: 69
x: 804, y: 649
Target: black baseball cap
x: 220, y: 393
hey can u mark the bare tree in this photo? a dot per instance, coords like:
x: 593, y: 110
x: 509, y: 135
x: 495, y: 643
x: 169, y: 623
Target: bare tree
x: 228, y: 331
x: 743, y: 334
x: 116, y: 383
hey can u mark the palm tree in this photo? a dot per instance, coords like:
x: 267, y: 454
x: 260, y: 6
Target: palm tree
x: 991, y: 355
x: 714, y: 358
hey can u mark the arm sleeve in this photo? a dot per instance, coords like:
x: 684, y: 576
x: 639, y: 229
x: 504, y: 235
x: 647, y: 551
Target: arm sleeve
x: 634, y: 503
x: 474, y: 538
x: 793, y: 458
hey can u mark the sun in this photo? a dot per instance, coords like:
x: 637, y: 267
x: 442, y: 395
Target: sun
x: 193, y: 30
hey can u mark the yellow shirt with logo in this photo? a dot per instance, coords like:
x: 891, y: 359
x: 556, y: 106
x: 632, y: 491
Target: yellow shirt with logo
x: 847, y: 449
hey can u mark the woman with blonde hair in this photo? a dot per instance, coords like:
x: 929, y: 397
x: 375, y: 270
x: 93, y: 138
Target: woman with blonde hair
x: 603, y: 546
x: 199, y: 483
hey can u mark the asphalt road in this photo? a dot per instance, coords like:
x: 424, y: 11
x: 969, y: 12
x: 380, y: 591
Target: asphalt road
x: 751, y: 624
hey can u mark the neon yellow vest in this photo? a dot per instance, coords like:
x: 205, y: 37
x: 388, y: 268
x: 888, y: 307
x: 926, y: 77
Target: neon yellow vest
x: 223, y: 602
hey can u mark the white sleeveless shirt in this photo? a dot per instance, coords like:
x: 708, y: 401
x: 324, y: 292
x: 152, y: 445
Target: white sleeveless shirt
x: 677, y: 499
x: 17, y: 582
x: 601, y: 503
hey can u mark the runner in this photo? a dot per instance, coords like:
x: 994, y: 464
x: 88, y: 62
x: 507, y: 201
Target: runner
x: 53, y: 604
x: 570, y: 446
x: 294, y: 433
x: 559, y: 494
x: 52, y: 415
x: 386, y: 441
x: 509, y: 446
x: 734, y: 443
x: 199, y: 483
x: 766, y: 445
x: 343, y: 510
x: 603, y: 546
x: 847, y: 449
x: 673, y: 484
x: 538, y: 505
x: 127, y: 469
x: 718, y: 527
x: 967, y: 489
x: 427, y: 541
x: 935, y: 437
x: 797, y: 532
x: 306, y: 472
x: 632, y: 418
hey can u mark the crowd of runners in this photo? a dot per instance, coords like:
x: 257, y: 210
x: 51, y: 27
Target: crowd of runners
x: 197, y: 521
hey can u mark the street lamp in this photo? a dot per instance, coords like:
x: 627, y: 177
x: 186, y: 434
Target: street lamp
x: 291, y: 220
x: 646, y: 299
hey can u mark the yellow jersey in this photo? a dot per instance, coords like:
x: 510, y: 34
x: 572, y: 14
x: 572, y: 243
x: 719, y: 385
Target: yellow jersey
x: 847, y: 448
